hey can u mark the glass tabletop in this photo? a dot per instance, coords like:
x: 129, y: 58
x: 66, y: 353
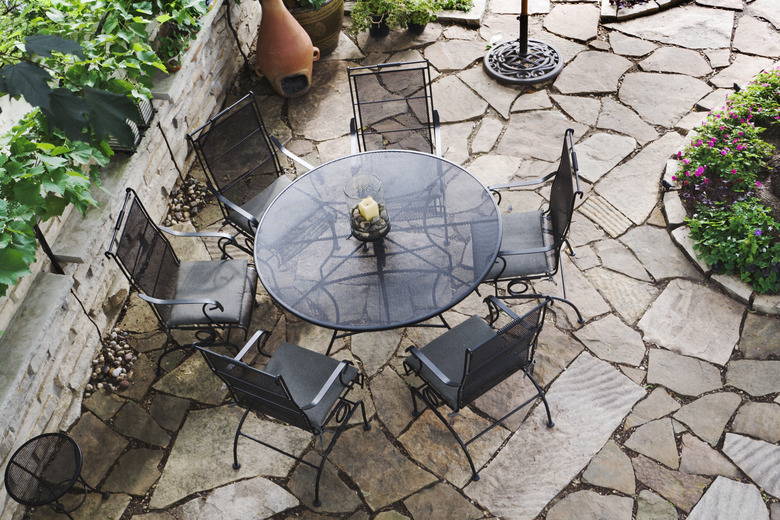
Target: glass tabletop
x: 445, y: 232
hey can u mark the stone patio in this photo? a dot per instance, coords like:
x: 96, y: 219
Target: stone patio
x: 666, y: 401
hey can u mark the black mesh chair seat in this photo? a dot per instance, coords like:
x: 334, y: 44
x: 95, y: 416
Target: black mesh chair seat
x: 532, y: 241
x: 201, y: 295
x: 257, y: 205
x: 448, y: 354
x: 472, y: 358
x: 287, y: 363
x: 44, y: 469
x: 231, y: 282
x: 242, y: 166
x: 299, y: 387
x: 524, y: 230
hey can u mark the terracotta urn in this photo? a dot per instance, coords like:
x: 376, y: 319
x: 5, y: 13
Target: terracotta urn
x: 284, y: 51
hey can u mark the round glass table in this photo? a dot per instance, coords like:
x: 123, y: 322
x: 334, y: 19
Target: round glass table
x: 309, y: 262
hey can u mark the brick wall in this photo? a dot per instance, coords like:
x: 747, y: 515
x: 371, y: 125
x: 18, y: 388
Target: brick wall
x: 53, y: 323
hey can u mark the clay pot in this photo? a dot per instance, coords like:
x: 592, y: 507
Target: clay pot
x: 284, y: 51
x: 323, y: 25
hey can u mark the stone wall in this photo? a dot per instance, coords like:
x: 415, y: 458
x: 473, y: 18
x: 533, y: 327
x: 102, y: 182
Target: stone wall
x: 53, y: 323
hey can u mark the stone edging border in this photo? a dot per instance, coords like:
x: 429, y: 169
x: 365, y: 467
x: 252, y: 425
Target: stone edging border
x: 613, y: 14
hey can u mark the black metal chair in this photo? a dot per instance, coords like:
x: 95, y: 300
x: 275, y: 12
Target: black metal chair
x: 471, y: 358
x: 201, y: 295
x: 392, y: 107
x: 242, y: 167
x: 299, y: 387
x: 43, y: 470
x: 532, y: 241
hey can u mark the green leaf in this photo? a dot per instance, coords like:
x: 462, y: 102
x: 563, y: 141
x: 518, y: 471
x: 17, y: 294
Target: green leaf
x: 54, y: 206
x: 109, y: 114
x: 53, y: 162
x: 43, y: 44
x: 30, y: 81
x: 28, y: 192
x: 12, y: 266
x: 68, y: 112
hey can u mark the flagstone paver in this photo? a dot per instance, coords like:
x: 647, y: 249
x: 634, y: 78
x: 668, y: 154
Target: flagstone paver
x: 650, y: 506
x: 708, y: 415
x: 612, y: 340
x: 335, y: 495
x: 544, y: 143
x: 760, y: 420
x: 601, y: 152
x: 135, y: 473
x: 753, y: 36
x: 639, y: 89
x: 699, y: 458
x: 693, y: 320
x: 617, y: 257
x: 743, y: 69
x: 754, y: 377
x: 618, y: 117
x: 589, y: 505
x: 677, y: 61
x: 559, y: 19
x: 655, y: 440
x: 133, y: 421
x: 656, y: 405
x: 730, y: 500
x: 681, y: 374
x: 383, y: 474
x: 100, y: 447
x: 538, y: 100
x: 765, y: 9
x: 690, y: 26
x: 188, y: 470
x: 611, y: 469
x: 629, y: 46
x: 553, y: 458
x: 582, y: 109
x: 681, y: 489
x: 658, y: 254
x: 487, y: 135
x: 103, y: 404
x: 755, y: 331
x: 441, y: 502
x: 574, y: 79
x: 759, y: 460
x: 628, y: 296
x: 253, y: 499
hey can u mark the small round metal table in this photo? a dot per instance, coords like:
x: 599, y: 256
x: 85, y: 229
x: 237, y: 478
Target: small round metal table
x: 43, y: 469
x: 309, y: 262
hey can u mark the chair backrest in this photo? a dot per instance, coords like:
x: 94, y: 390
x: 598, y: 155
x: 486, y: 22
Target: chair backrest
x: 564, y: 190
x: 257, y: 390
x: 510, y: 350
x: 392, y: 105
x: 144, y: 254
x: 234, y: 150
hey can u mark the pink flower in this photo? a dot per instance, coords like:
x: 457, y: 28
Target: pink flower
x: 733, y: 172
x: 725, y: 151
x: 674, y: 178
x: 699, y: 170
x: 740, y: 133
x: 758, y: 183
x: 679, y: 154
x: 687, y: 161
x: 740, y: 147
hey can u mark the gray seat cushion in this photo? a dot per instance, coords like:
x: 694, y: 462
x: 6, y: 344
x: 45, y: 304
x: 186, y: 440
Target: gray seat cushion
x: 521, y: 231
x: 231, y: 282
x: 448, y: 353
x: 260, y: 203
x: 305, y: 372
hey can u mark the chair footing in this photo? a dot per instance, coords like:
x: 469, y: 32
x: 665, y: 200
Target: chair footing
x: 317, y: 503
x: 475, y: 477
x: 550, y: 424
x: 236, y: 465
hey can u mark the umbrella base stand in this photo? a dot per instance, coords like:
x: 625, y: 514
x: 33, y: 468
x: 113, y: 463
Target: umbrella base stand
x: 510, y: 62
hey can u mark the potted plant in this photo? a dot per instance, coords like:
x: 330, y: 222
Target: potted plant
x: 376, y: 16
x: 418, y: 13
x: 321, y: 19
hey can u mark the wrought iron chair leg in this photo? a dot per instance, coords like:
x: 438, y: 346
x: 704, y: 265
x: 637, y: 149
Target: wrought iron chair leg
x: 236, y: 465
x: 474, y: 474
x: 366, y: 426
x: 550, y: 422
x: 332, y: 341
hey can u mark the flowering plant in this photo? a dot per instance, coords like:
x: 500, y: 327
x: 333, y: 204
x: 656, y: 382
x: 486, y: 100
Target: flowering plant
x: 719, y: 173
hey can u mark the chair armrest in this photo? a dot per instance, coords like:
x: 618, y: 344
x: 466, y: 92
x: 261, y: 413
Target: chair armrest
x: 437, y: 134
x: 353, y: 137
x: 253, y: 340
x: 496, y: 302
x: 520, y: 184
x: 331, y: 379
x: 197, y: 234
x: 194, y: 301
x: 289, y: 154
x: 253, y: 222
x: 535, y: 250
x: 423, y: 359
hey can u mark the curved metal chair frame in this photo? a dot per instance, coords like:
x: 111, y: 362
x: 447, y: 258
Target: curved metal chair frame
x: 291, y: 374
x: 242, y: 166
x: 555, y: 222
x: 472, y: 358
x: 148, y: 261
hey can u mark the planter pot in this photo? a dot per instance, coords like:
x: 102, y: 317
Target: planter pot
x: 284, y: 51
x: 378, y: 29
x: 322, y: 25
x: 416, y: 28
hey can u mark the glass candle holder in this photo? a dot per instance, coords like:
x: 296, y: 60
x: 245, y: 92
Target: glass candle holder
x: 366, y: 205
